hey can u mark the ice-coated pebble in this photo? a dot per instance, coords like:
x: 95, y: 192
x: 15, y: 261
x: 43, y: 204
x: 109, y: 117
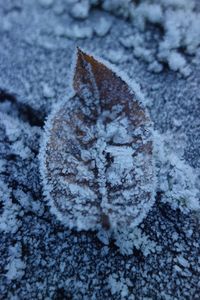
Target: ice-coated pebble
x: 46, y: 3
x: 102, y: 27
x: 80, y: 10
x: 155, y: 67
x: 48, y: 92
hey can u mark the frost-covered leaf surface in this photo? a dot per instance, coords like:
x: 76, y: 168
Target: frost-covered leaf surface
x: 97, y: 156
x: 40, y: 257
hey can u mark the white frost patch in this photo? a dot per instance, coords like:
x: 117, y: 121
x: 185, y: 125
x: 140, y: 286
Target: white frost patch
x: 115, y: 56
x: 183, y: 262
x: 80, y: 10
x: 46, y: 3
x: 75, y: 31
x: 102, y: 27
x: 127, y: 240
x: 147, y: 12
x: 177, y: 62
x: 119, y: 7
x: 8, y: 218
x: 180, y: 24
x: 16, y: 267
x: 48, y: 91
x: 18, y: 148
x: 177, y: 181
x: 155, y: 67
x: 104, y: 236
x: 118, y: 285
x: 17, y: 133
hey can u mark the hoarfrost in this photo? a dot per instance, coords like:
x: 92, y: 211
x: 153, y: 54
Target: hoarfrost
x: 103, y: 26
x: 118, y: 285
x: 74, y: 31
x: 46, y: 3
x: 17, y: 153
x: 183, y: 262
x: 127, y: 240
x: 15, y: 269
x: 9, y: 217
x: 80, y: 10
x: 178, y: 182
x: 180, y: 24
x: 16, y: 266
x: 48, y: 92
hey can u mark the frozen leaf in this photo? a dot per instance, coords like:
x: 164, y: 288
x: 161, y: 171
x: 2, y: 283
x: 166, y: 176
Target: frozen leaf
x: 96, y: 159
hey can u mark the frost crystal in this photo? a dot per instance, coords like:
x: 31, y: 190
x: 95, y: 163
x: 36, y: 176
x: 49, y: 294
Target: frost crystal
x: 97, y: 155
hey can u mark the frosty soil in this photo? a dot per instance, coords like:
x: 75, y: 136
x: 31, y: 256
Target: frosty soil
x: 40, y: 257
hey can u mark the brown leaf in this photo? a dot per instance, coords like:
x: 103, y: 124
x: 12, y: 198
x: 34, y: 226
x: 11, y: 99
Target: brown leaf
x: 98, y: 163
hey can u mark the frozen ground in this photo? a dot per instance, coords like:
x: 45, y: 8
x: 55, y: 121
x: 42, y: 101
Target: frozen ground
x: 157, y: 46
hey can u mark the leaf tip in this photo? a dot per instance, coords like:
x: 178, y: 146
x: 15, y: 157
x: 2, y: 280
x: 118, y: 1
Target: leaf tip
x: 80, y: 72
x: 80, y: 53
